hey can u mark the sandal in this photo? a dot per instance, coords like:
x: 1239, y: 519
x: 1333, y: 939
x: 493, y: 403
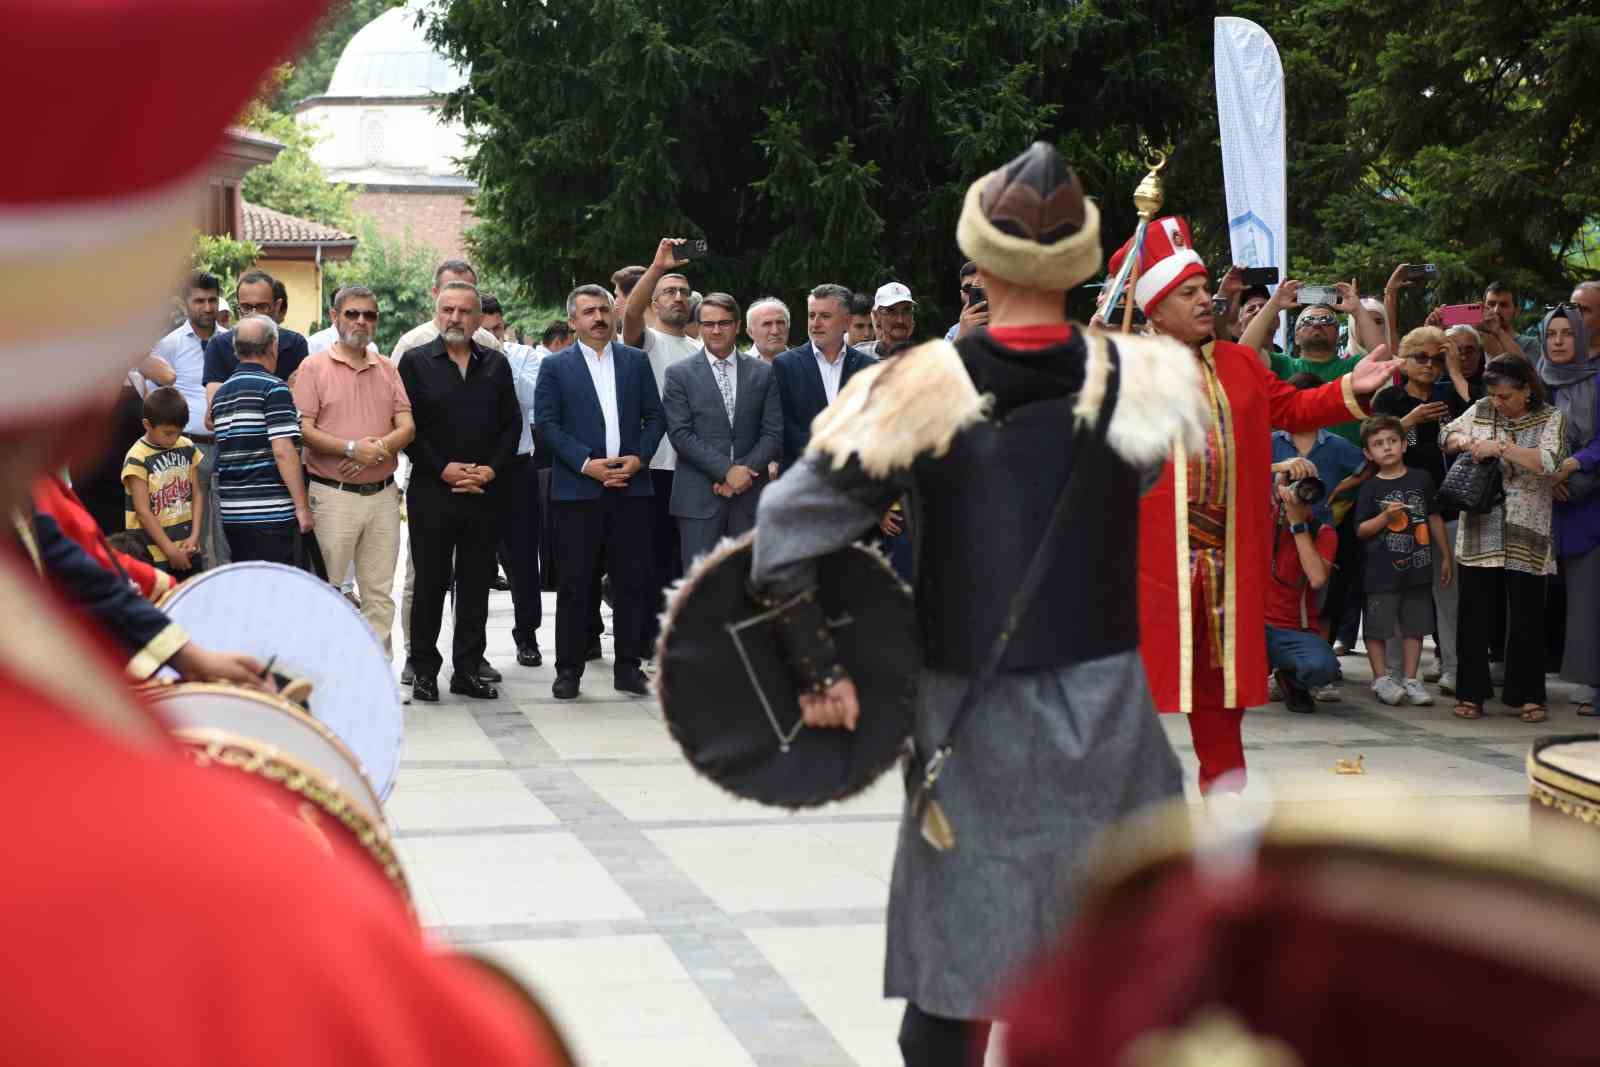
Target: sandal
x: 1534, y: 713
x: 1468, y: 710
x: 1590, y: 713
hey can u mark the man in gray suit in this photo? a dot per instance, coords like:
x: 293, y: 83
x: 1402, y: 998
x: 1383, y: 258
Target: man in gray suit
x: 726, y: 423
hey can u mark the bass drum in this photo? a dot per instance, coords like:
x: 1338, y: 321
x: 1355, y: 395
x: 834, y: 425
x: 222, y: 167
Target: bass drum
x: 728, y: 697
x: 314, y: 778
x: 310, y: 631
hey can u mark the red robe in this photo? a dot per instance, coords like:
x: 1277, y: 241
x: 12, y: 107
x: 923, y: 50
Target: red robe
x: 153, y: 911
x: 52, y: 496
x: 1257, y: 403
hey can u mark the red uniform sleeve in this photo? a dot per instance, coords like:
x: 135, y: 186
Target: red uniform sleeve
x: 51, y: 496
x: 1298, y: 410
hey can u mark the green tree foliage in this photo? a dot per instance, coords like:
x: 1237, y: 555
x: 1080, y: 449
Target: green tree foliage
x: 314, y: 68
x: 813, y: 141
x: 293, y: 183
x: 807, y: 141
x: 225, y: 258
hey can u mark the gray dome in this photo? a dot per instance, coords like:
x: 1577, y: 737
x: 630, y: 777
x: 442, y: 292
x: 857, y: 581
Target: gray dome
x: 390, y: 56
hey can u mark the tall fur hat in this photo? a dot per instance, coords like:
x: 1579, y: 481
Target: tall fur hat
x: 1030, y: 223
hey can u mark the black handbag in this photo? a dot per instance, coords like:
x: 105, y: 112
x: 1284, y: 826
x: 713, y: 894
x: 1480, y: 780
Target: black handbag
x: 1470, y: 486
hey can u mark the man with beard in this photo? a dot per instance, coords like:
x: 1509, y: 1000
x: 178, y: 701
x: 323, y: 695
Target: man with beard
x: 1063, y: 739
x: 894, y: 316
x: 355, y: 418
x: 467, y: 428
x: 667, y: 293
x: 1205, y: 529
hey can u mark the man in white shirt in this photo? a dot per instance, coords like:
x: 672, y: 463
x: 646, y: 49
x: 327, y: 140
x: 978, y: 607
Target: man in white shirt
x: 667, y: 292
x: 767, y: 323
x: 184, y: 350
x: 599, y: 493
x: 521, y: 502
x: 451, y: 270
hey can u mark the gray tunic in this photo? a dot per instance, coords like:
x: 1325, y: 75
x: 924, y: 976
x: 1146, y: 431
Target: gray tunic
x: 1047, y: 760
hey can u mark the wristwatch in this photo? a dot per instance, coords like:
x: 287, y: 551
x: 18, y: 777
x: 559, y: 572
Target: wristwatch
x: 349, y: 450
x: 1299, y: 527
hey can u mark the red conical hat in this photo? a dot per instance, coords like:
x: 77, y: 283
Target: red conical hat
x: 1168, y: 258
x: 117, y: 107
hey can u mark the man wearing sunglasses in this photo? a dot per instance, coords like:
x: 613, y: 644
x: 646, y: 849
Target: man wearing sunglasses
x: 355, y: 418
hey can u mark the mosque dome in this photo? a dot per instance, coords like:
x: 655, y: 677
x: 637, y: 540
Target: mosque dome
x: 391, y: 57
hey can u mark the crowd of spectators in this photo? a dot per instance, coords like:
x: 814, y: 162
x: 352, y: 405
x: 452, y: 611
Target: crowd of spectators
x: 601, y: 459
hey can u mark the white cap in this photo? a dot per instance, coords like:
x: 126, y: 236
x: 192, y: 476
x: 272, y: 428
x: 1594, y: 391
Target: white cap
x: 222, y: 305
x: 891, y: 294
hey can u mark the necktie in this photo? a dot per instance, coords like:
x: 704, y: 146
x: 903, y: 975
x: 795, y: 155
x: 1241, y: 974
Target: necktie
x: 726, y: 385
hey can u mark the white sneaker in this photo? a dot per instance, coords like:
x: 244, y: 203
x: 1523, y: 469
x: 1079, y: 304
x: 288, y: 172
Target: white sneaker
x: 1389, y: 691
x: 1328, y: 694
x: 1433, y: 673
x: 1447, y: 683
x: 1416, y: 696
x: 1274, y: 690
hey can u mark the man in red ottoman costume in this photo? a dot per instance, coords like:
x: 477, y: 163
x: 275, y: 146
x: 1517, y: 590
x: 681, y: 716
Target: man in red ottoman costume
x: 1205, y: 530
x: 153, y: 911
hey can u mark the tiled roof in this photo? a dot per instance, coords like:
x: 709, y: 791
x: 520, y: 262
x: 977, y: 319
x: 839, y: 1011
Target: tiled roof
x: 267, y: 227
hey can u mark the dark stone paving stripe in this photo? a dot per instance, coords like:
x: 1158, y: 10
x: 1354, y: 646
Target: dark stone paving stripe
x: 753, y: 1000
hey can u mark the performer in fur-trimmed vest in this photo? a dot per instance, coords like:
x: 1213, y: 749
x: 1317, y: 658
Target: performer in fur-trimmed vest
x: 1063, y: 740
x: 1205, y: 531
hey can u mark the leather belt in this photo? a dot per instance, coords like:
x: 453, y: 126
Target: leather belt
x: 363, y: 488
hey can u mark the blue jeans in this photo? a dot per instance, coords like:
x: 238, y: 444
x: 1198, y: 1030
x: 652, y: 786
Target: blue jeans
x: 1306, y: 656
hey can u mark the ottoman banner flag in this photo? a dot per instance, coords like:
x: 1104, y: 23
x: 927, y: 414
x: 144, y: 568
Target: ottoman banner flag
x: 1250, y: 113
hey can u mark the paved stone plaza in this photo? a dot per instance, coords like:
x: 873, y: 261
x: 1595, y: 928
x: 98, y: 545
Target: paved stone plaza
x: 667, y: 923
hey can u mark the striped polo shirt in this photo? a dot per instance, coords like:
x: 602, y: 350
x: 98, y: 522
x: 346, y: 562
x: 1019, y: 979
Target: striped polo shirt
x: 252, y: 409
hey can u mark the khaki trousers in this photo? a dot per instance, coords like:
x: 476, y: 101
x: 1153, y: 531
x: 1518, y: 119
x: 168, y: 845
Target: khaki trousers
x: 364, y: 530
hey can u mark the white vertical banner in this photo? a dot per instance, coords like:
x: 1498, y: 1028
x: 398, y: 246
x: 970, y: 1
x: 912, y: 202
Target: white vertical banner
x: 1250, y: 113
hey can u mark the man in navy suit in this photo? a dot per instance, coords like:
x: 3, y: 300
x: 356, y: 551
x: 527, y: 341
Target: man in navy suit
x: 809, y: 377
x: 597, y: 407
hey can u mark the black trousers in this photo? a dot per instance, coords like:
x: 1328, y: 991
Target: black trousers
x: 269, y: 544
x: 1489, y: 594
x: 1342, y: 605
x: 446, y: 527
x: 613, y: 529
x: 934, y: 1041
x: 521, y: 521
x: 666, y: 550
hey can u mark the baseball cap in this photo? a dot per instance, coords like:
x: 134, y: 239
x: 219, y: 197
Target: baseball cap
x: 891, y: 294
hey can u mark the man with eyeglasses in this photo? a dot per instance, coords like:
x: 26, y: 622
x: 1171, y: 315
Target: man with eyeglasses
x: 726, y: 423
x: 665, y: 291
x: 894, y: 317
x: 355, y: 417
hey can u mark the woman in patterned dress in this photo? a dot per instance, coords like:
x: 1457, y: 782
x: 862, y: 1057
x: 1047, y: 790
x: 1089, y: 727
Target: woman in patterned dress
x: 1507, y: 552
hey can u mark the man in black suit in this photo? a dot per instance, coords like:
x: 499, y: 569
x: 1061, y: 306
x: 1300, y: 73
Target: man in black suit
x: 809, y: 377
x: 468, y: 426
x: 597, y: 407
x: 725, y: 420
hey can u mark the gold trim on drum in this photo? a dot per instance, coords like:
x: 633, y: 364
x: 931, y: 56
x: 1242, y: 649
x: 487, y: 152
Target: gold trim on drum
x: 159, y: 691
x: 207, y: 745
x: 1562, y: 790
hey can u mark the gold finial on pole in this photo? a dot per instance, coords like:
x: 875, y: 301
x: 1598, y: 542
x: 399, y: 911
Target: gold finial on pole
x: 1147, y: 198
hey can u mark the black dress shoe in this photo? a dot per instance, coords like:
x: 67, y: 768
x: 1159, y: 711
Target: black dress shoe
x: 632, y: 680
x: 468, y: 686
x: 408, y: 673
x: 425, y: 689
x: 595, y: 651
x: 499, y: 584
x: 566, y: 687
x: 488, y: 673
x: 529, y: 656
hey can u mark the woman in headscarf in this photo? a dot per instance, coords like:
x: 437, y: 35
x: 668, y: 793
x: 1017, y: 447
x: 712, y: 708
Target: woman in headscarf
x: 1568, y: 367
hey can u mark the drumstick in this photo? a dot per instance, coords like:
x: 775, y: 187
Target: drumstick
x: 267, y: 670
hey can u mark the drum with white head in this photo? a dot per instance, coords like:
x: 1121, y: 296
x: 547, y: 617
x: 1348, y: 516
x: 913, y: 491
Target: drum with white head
x: 308, y: 630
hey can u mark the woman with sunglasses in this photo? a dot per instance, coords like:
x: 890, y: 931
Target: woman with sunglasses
x: 1423, y: 411
x: 1508, y: 553
x: 1569, y: 367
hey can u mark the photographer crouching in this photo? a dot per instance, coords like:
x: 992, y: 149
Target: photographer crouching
x: 1303, y: 548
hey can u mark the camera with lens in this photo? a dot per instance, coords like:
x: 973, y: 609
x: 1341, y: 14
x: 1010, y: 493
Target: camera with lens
x: 1308, y: 490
